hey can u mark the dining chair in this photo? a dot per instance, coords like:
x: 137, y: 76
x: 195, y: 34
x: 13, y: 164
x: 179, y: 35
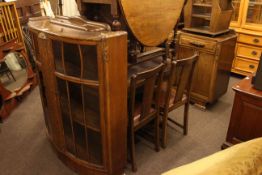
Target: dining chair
x: 4, y: 69
x: 175, y: 92
x: 143, y: 105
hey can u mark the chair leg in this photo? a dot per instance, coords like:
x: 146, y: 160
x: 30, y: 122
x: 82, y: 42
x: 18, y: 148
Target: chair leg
x: 186, y: 118
x: 7, y: 75
x: 157, y: 133
x: 164, y: 128
x: 132, y: 150
x: 12, y: 75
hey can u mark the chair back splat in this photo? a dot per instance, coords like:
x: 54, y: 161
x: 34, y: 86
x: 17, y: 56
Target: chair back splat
x: 144, y: 93
x: 183, y: 74
x: 175, y: 92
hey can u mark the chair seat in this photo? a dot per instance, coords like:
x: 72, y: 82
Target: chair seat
x: 138, y: 107
x: 16, y: 47
x: 163, y: 93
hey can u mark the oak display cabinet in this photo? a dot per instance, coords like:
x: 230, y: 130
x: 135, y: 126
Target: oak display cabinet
x: 247, y: 22
x: 82, y: 72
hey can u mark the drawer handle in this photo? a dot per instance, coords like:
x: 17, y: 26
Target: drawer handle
x: 251, y: 66
x: 254, y: 53
x: 256, y: 40
x: 197, y: 44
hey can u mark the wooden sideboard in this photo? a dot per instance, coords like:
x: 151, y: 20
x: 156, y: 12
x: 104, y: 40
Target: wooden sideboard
x: 246, y: 116
x: 212, y: 71
x: 82, y: 73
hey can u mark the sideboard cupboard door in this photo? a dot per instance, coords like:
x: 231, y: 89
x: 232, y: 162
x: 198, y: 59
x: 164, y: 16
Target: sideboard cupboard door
x: 204, y: 73
x: 201, y: 92
x: 83, y: 84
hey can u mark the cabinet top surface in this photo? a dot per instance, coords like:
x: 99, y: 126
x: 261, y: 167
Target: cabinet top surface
x: 218, y: 38
x: 72, y: 28
x: 245, y: 86
x: 246, y: 31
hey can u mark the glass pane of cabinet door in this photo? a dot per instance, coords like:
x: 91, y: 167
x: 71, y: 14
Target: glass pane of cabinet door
x: 254, y: 14
x: 236, y: 17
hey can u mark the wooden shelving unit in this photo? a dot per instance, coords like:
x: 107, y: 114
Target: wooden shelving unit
x: 210, y: 17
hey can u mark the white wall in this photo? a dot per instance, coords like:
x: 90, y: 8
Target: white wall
x: 70, y: 8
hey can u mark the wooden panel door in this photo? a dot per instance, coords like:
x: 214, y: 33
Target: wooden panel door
x: 245, y: 119
x: 203, y: 75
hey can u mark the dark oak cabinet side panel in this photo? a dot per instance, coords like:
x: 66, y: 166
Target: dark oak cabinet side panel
x: 49, y: 82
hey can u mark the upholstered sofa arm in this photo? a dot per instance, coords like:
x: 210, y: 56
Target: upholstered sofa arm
x: 241, y: 159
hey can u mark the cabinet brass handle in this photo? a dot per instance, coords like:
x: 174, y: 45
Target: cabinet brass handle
x: 254, y: 53
x: 42, y: 36
x: 256, y: 40
x: 197, y: 44
x: 251, y: 66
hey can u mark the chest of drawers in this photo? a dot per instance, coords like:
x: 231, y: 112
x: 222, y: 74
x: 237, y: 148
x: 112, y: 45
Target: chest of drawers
x: 248, y: 51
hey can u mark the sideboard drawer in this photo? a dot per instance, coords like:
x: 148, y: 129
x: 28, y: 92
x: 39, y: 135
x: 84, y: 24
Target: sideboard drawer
x: 250, y: 39
x: 245, y: 65
x: 249, y: 52
x: 198, y: 43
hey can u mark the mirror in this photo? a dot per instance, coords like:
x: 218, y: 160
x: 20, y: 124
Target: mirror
x: 13, y: 71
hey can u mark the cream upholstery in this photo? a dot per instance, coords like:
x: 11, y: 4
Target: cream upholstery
x: 241, y: 159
